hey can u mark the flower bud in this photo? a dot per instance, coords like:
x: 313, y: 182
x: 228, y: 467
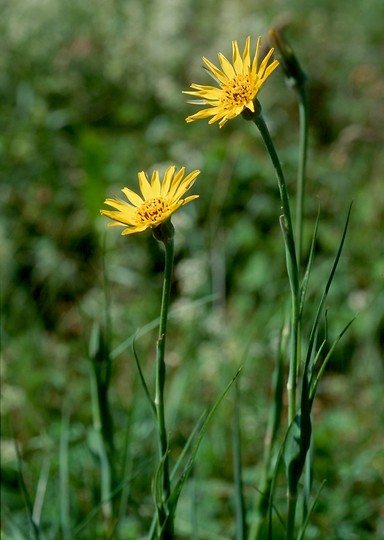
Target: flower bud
x: 288, y: 60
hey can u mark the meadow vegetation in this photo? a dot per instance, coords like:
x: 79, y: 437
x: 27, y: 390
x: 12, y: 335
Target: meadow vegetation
x: 91, y: 93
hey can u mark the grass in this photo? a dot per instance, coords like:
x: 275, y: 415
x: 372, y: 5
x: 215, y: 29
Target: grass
x: 89, y: 96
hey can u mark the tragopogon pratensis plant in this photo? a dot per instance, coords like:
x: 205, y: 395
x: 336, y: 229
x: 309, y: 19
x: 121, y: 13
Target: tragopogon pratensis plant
x: 237, y: 94
x: 153, y: 210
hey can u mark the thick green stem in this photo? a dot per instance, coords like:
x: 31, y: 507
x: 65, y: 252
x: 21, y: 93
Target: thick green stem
x: 164, y: 233
x: 303, y: 146
x: 292, y: 268
x: 263, y: 128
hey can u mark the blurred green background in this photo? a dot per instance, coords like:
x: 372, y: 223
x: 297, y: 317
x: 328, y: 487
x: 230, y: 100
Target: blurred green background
x: 90, y: 95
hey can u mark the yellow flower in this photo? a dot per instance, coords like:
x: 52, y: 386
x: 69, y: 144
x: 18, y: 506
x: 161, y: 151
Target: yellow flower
x: 239, y: 84
x: 158, y: 202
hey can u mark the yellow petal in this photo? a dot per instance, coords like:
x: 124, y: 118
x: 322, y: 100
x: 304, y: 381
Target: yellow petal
x: 270, y: 68
x: 133, y: 197
x: 209, y: 92
x: 186, y: 184
x: 227, y: 66
x: 247, y: 55
x: 237, y: 61
x: 117, y: 216
x: 132, y: 230
x: 167, y: 181
x: 190, y: 198
x: 116, y: 224
x: 145, y: 186
x: 218, y: 74
x: 221, y: 123
x: 264, y: 64
x: 256, y: 57
x: 119, y: 205
x: 199, y: 115
x: 175, y: 184
x: 155, y: 184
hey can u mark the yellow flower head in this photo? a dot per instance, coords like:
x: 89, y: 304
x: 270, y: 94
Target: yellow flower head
x: 158, y: 200
x: 239, y: 84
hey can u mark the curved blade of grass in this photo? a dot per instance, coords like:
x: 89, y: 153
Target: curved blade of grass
x: 326, y: 290
x: 241, y: 528
x: 315, y: 382
x: 41, y: 490
x: 310, y: 512
x: 188, y: 467
x: 292, y: 269
x: 24, y: 490
x: 94, y: 513
x: 188, y: 444
x: 99, y: 445
x: 179, y: 462
x: 173, y: 313
x: 314, y: 362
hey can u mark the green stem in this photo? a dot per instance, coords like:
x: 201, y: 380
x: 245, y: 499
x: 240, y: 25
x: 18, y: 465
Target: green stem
x: 292, y: 501
x: 263, y: 128
x: 292, y: 268
x: 303, y: 146
x: 164, y: 233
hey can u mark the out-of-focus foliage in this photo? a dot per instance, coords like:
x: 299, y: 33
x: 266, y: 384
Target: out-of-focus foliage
x: 90, y: 93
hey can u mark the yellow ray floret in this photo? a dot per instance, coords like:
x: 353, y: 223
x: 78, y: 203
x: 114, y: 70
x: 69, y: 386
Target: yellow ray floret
x: 239, y: 83
x: 157, y: 202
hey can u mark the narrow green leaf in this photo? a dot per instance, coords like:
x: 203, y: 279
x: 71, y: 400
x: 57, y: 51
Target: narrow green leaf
x: 304, y: 284
x: 188, y: 467
x: 298, y: 438
x: 188, y: 445
x: 41, y: 490
x: 315, y: 382
x: 315, y: 359
x: 309, y: 514
x: 100, y: 442
x: 290, y: 255
x: 326, y: 290
x: 142, y: 378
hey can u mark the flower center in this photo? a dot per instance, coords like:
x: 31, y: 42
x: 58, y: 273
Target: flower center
x: 152, y: 210
x: 237, y: 91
